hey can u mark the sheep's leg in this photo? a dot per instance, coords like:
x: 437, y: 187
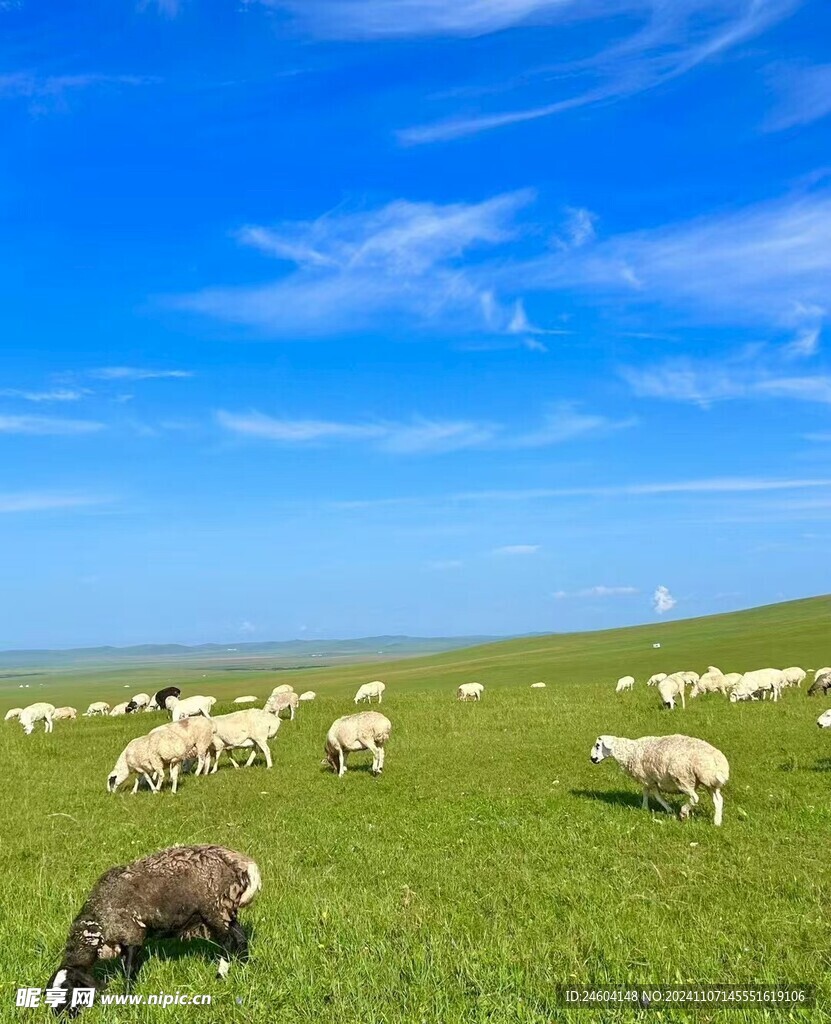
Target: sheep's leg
x: 234, y: 943
x: 136, y: 784
x: 657, y: 794
x: 688, y: 806
x: 49, y: 725
x: 645, y: 804
x: 266, y: 753
x: 370, y: 745
x: 341, y: 763
x: 718, y: 804
x: 683, y: 702
x: 174, y: 777
x: 381, y: 755
x: 132, y: 960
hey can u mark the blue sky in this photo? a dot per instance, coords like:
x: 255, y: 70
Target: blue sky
x: 344, y: 317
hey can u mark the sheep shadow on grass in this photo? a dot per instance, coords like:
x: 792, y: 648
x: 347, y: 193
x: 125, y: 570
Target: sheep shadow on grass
x: 615, y: 797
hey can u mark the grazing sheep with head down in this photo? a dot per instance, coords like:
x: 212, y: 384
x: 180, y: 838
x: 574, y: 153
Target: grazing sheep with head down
x: 758, y: 684
x: 13, y: 714
x: 307, y: 695
x: 183, y: 892
x: 166, y: 746
x: 250, y: 729
x: 625, y: 683
x: 64, y: 713
x: 671, y: 688
x: 793, y: 676
x: 669, y: 764
x: 824, y: 720
x: 470, y: 691
x: 821, y: 683
x: 158, y: 702
x: 369, y: 690
x: 711, y: 682
x: 654, y: 680
x: 98, y: 707
x: 248, y: 699
x: 40, y: 712
x: 368, y: 730
x: 190, y: 707
x: 119, y: 709
x: 537, y: 686
x: 280, y: 701
x: 283, y: 688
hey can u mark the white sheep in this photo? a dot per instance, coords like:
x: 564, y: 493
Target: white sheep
x: 625, y: 683
x: 671, y: 688
x: 250, y: 729
x: 730, y: 679
x: 64, y: 713
x: 141, y: 700
x: 307, y: 695
x: 824, y: 671
x: 283, y: 688
x: 370, y: 690
x: 654, y: 680
x: 368, y: 730
x: 13, y: 714
x: 712, y: 681
x: 793, y: 676
x: 190, y: 707
x: 119, y: 709
x: 758, y: 684
x: 166, y: 746
x: 40, y: 712
x: 470, y: 691
x: 280, y: 701
x: 98, y: 707
x: 672, y: 764
x: 246, y: 700
x: 537, y: 686
x: 824, y: 720
x: 690, y: 678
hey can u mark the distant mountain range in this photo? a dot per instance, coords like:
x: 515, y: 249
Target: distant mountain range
x: 306, y: 650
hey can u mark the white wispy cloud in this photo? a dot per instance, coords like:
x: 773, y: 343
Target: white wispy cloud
x: 45, y: 93
x: 672, y: 40
x: 417, y: 263
x: 45, y: 502
x: 754, y: 373
x: 52, y: 395
x: 765, y: 263
x: 420, y: 435
x: 599, y: 590
x: 125, y: 373
x: 517, y: 549
x: 663, y: 601
x: 804, y: 95
x: 47, y: 425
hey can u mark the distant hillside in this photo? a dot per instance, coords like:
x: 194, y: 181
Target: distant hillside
x: 238, y: 653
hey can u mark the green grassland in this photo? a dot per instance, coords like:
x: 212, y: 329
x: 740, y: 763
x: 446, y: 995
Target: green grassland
x: 491, y: 863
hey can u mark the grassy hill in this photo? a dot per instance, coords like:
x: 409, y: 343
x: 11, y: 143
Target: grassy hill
x: 491, y: 863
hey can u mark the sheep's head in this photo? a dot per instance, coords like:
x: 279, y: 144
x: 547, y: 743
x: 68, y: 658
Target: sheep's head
x: 824, y: 720
x: 117, y: 776
x: 331, y: 758
x: 65, y: 980
x: 602, y: 749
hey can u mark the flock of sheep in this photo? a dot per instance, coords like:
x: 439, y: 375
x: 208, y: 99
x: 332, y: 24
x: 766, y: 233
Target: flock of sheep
x: 198, y: 890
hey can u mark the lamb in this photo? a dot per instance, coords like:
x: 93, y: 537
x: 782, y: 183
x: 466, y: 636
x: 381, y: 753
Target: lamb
x: 190, y: 707
x: 159, y: 700
x: 246, y: 700
x: 370, y: 690
x: 625, y: 683
x: 654, y: 680
x: 754, y: 685
x: 368, y: 730
x: 184, y: 892
x: 307, y: 695
x: 13, y: 714
x: 279, y: 702
x: 537, y: 686
x: 119, y: 709
x: 824, y: 720
x: 793, y: 676
x: 98, y: 707
x: 672, y: 764
x: 470, y: 691
x: 252, y: 728
x: 671, y: 688
x: 40, y: 712
x: 64, y: 713
x: 165, y: 746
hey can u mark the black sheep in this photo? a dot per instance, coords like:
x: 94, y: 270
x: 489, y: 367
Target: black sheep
x: 183, y: 892
x: 160, y: 697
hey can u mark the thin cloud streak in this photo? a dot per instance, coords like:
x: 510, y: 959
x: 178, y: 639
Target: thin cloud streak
x: 34, y: 502
x: 41, y: 426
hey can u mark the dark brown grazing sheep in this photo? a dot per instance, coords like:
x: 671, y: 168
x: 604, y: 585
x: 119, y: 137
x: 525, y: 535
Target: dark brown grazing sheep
x: 183, y: 892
